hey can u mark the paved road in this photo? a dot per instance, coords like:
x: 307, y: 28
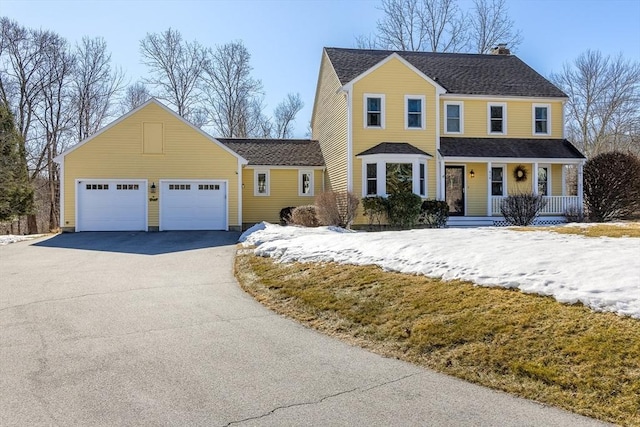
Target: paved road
x: 152, y: 329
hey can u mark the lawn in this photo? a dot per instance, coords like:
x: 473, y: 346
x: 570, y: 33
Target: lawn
x: 529, y: 345
x: 571, y: 338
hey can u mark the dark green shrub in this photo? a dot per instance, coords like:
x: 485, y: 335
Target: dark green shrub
x: 434, y: 213
x: 612, y: 186
x: 522, y: 209
x: 375, y: 209
x: 403, y: 209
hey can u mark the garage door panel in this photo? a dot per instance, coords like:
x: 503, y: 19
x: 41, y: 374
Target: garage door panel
x: 110, y: 205
x: 193, y: 205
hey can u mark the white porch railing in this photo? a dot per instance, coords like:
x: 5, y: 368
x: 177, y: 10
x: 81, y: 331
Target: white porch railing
x: 555, y: 204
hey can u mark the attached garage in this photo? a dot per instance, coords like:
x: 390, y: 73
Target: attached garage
x: 193, y: 205
x: 111, y: 205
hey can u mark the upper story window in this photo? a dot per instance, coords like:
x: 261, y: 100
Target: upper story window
x: 454, y: 117
x: 305, y: 183
x: 261, y: 183
x: 497, y: 114
x: 374, y: 111
x: 414, y: 111
x: 541, y: 119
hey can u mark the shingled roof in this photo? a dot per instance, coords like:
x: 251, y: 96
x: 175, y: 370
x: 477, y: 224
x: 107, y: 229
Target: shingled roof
x: 277, y: 152
x: 393, y: 148
x: 458, y: 73
x: 509, y: 148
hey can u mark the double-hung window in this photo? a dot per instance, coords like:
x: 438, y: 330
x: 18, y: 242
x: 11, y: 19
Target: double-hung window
x: 497, y: 113
x: 373, y: 111
x: 543, y: 181
x: 541, y: 119
x: 454, y: 118
x: 261, y: 183
x: 414, y: 111
x: 372, y: 179
x: 497, y: 181
x: 305, y: 183
x: 384, y: 175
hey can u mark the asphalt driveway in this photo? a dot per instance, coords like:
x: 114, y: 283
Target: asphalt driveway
x: 152, y: 329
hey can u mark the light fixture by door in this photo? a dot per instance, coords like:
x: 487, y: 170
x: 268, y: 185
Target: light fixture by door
x: 153, y: 188
x: 472, y: 174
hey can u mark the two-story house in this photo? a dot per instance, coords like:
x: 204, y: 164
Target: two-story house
x: 465, y: 128
x: 468, y: 129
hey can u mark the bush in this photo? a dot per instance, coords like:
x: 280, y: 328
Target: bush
x: 375, y: 209
x: 305, y: 216
x: 574, y: 213
x: 434, y: 213
x: 522, y: 209
x: 612, y: 186
x: 337, y: 208
x: 403, y: 209
x: 285, y: 215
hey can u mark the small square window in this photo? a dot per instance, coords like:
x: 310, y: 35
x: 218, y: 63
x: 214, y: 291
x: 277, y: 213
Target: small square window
x: 106, y: 186
x: 215, y: 187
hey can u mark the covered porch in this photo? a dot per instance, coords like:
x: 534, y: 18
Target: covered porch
x: 478, y: 174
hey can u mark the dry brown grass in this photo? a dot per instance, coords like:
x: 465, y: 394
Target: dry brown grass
x: 628, y: 229
x: 528, y: 345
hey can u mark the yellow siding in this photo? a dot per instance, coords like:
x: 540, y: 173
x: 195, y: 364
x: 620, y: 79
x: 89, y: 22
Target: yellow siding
x: 519, y: 119
x: 394, y: 80
x: 283, y: 192
x: 118, y: 153
x: 476, y: 189
x: 329, y: 125
x: 153, y: 138
x: 556, y: 180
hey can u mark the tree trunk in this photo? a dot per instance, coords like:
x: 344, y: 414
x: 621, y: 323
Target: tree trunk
x: 32, y: 224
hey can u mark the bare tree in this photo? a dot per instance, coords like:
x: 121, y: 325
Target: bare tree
x: 176, y: 67
x: 603, y: 111
x: 96, y: 85
x: 55, y: 117
x: 285, y: 115
x: 489, y: 25
x: 235, y: 98
x: 134, y: 96
x: 429, y: 25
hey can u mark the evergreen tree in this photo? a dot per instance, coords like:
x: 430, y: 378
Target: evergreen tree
x: 16, y: 194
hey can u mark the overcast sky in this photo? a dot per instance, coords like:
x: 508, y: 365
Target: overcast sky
x: 285, y: 38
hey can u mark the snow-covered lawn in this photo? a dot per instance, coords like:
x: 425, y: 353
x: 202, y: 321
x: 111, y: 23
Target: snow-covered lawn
x: 5, y: 239
x: 602, y: 273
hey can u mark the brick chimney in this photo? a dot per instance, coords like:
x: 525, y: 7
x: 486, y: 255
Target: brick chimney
x: 501, y: 49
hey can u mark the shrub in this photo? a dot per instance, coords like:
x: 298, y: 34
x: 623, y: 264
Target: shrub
x: 434, y: 213
x: 285, y: 215
x: 522, y: 209
x: 337, y: 208
x: 574, y: 213
x: 305, y: 216
x: 375, y: 209
x: 403, y: 209
x: 612, y: 186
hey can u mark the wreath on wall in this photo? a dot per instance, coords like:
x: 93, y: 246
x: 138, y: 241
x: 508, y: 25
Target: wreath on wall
x: 520, y: 173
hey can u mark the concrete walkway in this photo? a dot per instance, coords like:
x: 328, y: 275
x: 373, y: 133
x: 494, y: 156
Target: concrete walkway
x: 152, y: 329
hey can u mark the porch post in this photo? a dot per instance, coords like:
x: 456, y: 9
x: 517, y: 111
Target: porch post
x: 489, y: 198
x: 534, y: 179
x: 580, y: 187
x: 441, y: 181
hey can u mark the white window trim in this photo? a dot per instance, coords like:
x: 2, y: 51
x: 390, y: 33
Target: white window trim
x: 301, y: 172
x: 504, y: 117
x: 382, y: 109
x: 423, y: 108
x: 533, y: 119
x: 460, y: 104
x: 549, y: 173
x: 504, y: 178
x: 256, y: 172
x: 381, y: 160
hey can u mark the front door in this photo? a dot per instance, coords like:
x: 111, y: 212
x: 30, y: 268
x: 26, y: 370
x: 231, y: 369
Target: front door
x: 454, y: 189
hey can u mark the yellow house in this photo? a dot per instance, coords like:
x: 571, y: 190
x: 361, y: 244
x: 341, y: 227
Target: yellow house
x: 152, y: 170
x: 465, y: 128
x: 469, y: 129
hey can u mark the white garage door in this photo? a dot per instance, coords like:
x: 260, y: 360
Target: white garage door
x: 111, y: 205
x: 193, y: 205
